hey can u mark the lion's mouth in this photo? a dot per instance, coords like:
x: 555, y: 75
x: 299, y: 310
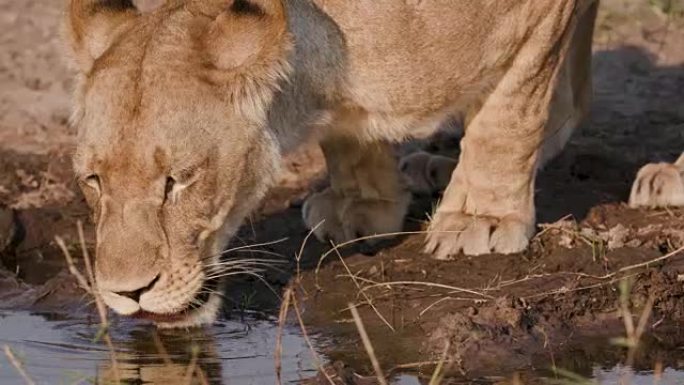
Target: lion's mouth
x: 165, y: 318
x: 185, y: 317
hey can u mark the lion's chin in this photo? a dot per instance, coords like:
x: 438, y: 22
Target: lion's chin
x: 194, y: 317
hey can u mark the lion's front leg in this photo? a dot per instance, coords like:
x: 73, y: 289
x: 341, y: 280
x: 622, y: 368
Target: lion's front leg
x: 489, y: 203
x: 365, y: 197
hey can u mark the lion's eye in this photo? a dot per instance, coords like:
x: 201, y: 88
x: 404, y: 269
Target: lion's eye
x: 92, y: 181
x: 168, y: 190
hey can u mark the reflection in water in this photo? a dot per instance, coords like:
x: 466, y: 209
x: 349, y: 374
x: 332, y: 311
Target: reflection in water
x: 63, y: 352
x: 58, y: 350
x: 173, y: 357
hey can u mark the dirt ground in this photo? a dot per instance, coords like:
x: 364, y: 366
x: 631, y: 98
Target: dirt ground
x: 494, y: 314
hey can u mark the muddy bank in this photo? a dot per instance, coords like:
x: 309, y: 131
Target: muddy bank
x: 505, y: 312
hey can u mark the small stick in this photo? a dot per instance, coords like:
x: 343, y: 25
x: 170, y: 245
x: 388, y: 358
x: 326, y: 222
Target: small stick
x: 192, y: 366
x: 430, y: 284
x: 358, y: 286
x: 369, y: 237
x: 201, y: 376
x: 284, y: 307
x: 638, y: 265
x: 82, y: 281
x: 84, y: 250
x: 413, y: 365
x: 368, y: 345
x: 298, y: 257
x: 565, y: 290
x: 18, y: 366
x: 161, y: 349
x: 438, y: 374
x: 317, y: 359
x: 91, y: 288
x: 639, y: 331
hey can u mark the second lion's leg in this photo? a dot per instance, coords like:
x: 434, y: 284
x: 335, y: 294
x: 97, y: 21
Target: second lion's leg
x: 659, y: 185
x: 366, y: 195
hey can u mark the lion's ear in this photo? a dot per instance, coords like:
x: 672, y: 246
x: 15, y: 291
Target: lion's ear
x: 247, y: 32
x: 91, y: 26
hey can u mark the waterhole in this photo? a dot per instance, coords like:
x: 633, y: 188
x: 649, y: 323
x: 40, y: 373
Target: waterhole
x: 53, y: 349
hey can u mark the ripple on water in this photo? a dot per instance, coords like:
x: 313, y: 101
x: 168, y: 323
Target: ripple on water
x: 55, y: 350
x: 64, y: 351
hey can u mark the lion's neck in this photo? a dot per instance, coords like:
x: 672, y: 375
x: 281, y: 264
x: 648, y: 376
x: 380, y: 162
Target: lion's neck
x: 300, y: 107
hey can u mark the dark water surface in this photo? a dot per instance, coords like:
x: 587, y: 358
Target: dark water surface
x: 55, y: 350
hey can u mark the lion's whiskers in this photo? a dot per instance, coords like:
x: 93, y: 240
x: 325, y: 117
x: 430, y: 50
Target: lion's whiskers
x: 231, y: 262
x: 250, y: 248
x: 249, y: 272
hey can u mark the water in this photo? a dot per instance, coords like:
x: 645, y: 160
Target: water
x: 63, y: 352
x: 55, y: 350
x: 613, y: 377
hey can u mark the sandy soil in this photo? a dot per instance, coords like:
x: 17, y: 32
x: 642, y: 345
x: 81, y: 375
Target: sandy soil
x: 519, y: 310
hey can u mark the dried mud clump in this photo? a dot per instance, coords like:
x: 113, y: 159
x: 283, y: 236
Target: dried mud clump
x: 487, y: 332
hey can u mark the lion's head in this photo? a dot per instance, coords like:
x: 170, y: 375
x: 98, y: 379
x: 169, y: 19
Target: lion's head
x: 172, y: 153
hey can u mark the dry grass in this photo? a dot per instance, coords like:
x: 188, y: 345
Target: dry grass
x: 631, y: 341
x: 368, y: 299
x: 368, y: 345
x: 90, y: 286
x: 317, y: 359
x: 336, y: 248
x: 18, y: 366
x: 282, y: 318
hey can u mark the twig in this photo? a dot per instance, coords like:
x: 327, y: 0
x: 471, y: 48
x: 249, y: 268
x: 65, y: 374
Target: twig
x: 192, y: 366
x: 82, y: 281
x: 201, y: 376
x: 86, y: 255
x: 18, y: 366
x: 642, y: 264
x: 429, y: 284
x: 639, y: 331
x: 298, y: 257
x: 368, y: 345
x: 317, y: 359
x: 564, y: 290
x: 161, y: 350
x: 413, y: 365
x: 433, y: 304
x: 91, y: 287
x: 613, y: 274
x: 284, y: 307
x: 366, y: 238
x: 358, y: 286
x: 438, y: 374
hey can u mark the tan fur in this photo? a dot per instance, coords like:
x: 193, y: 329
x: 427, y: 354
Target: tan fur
x: 211, y: 92
x: 425, y: 173
x: 659, y: 185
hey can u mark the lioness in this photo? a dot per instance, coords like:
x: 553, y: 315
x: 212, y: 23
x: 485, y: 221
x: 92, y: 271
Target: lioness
x: 184, y: 115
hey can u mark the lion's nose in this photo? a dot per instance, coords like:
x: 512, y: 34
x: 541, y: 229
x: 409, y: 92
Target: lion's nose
x: 135, y: 294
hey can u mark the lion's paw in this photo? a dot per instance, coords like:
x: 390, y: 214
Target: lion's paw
x: 363, y: 218
x: 658, y: 185
x: 425, y: 173
x: 320, y: 213
x: 339, y: 219
x: 453, y: 232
